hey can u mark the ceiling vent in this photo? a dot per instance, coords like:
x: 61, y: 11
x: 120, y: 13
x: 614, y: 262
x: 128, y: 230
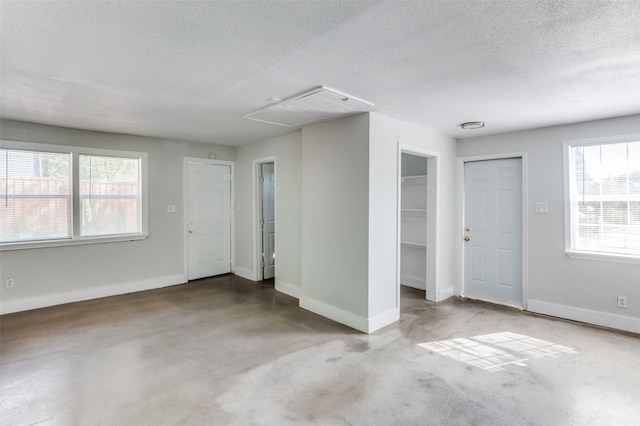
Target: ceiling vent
x: 320, y: 103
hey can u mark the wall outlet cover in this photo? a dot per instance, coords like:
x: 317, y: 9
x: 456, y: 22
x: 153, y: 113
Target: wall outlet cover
x: 622, y: 302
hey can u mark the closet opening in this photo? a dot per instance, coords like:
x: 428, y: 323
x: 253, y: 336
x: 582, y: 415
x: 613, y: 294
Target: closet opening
x: 417, y: 202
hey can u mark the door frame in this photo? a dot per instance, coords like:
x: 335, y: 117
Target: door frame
x: 185, y: 203
x: 433, y: 200
x: 257, y: 212
x: 459, y: 290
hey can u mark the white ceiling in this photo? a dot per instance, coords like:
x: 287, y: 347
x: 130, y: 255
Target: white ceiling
x: 191, y: 70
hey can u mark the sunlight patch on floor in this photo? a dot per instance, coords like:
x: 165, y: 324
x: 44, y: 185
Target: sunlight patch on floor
x: 493, y: 352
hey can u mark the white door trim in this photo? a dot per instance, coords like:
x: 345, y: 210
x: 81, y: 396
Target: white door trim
x: 257, y: 205
x: 185, y: 204
x: 459, y: 290
x: 433, y: 184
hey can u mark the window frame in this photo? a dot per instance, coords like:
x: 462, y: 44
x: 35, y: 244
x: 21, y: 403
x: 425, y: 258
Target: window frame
x: 568, y: 213
x: 75, y: 205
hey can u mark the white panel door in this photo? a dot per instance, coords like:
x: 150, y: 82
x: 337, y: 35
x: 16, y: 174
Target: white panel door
x: 209, y: 220
x: 268, y: 221
x: 493, y: 230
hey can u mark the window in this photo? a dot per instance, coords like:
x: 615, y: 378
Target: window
x: 109, y: 195
x: 55, y: 195
x: 603, y: 199
x: 36, y: 195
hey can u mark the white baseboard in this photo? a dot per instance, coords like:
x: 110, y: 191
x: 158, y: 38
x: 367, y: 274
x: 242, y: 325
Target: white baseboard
x: 444, y: 294
x: 335, y: 314
x: 366, y: 325
x: 418, y: 283
x: 282, y: 286
x: 18, y: 305
x: 246, y: 273
x: 383, y: 319
x: 287, y: 288
x: 585, y: 315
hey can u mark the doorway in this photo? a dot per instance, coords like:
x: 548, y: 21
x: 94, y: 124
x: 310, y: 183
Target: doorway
x: 207, y: 218
x: 417, y: 201
x: 268, y: 220
x: 265, y: 213
x: 413, y: 221
x: 493, y: 225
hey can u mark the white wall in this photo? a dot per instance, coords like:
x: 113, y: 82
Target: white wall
x: 577, y: 289
x: 350, y: 214
x: 337, y: 216
x: 335, y: 209
x: 49, y: 276
x: 386, y: 134
x: 287, y: 151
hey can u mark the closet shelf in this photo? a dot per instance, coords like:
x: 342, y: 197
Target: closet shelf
x: 414, y: 212
x: 414, y: 244
x: 414, y: 180
x: 413, y: 230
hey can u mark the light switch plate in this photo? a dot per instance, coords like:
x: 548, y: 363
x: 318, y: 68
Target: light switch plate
x: 171, y: 208
x: 542, y: 208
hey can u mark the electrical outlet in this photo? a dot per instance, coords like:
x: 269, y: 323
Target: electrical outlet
x: 9, y: 282
x: 622, y: 302
x: 171, y: 208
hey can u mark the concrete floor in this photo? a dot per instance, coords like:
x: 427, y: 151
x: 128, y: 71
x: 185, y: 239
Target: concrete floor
x: 226, y: 351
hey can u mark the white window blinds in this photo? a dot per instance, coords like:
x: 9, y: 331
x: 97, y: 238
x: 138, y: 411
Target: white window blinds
x: 35, y: 195
x: 54, y: 195
x: 604, y: 186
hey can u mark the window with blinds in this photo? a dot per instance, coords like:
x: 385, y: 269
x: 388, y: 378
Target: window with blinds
x: 54, y: 195
x: 604, y: 198
x: 36, y: 195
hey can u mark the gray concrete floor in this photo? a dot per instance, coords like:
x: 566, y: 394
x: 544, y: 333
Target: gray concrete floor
x: 228, y: 351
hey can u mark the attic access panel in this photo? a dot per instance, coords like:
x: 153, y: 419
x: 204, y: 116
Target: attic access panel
x: 321, y: 103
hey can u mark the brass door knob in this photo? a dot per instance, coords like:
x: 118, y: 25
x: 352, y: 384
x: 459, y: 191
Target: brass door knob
x: 467, y: 238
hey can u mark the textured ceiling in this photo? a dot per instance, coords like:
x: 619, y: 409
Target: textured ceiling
x: 191, y: 70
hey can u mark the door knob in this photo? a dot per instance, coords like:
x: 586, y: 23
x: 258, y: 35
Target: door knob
x: 467, y: 238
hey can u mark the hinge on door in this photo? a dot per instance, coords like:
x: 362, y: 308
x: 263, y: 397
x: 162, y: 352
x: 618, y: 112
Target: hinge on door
x: 261, y: 222
x: 261, y: 179
x: 262, y: 263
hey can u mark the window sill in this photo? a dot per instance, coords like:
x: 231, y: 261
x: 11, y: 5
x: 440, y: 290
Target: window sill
x: 71, y: 242
x: 602, y: 257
